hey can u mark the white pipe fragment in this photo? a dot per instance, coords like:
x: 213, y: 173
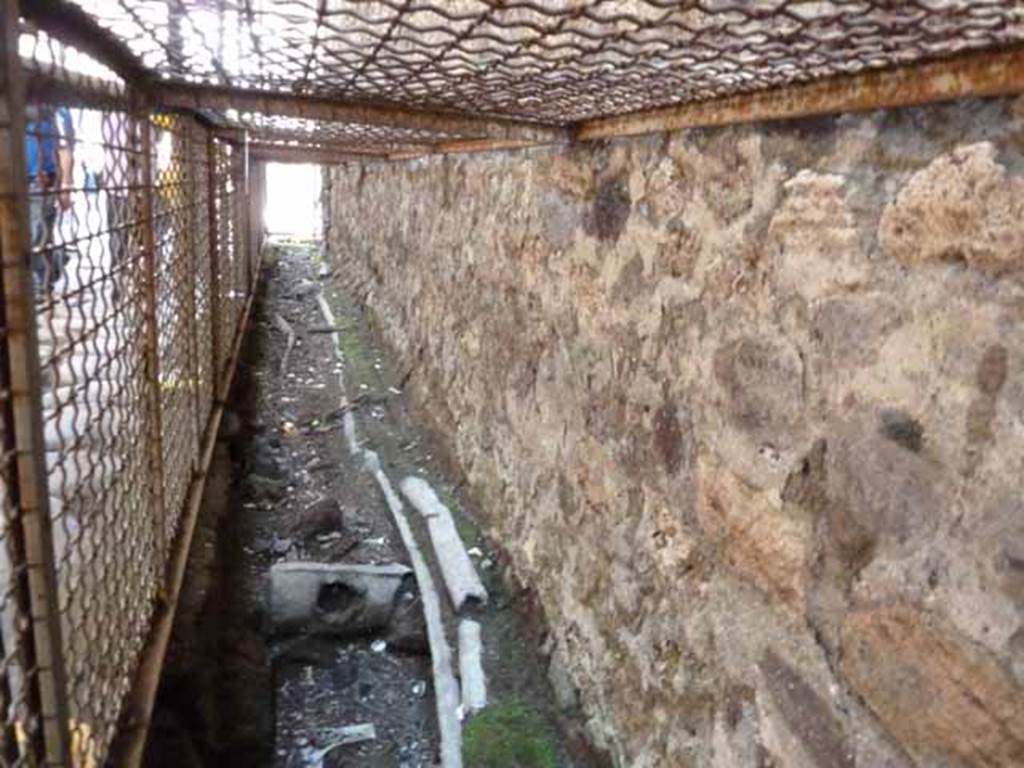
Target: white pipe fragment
x: 459, y: 574
x: 471, y: 670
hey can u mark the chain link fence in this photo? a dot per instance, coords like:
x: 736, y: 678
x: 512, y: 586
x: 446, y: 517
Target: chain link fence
x: 128, y: 266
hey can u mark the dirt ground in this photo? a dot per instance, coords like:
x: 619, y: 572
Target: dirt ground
x: 284, y: 487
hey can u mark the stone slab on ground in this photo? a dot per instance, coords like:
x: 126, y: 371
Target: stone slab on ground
x: 340, y: 599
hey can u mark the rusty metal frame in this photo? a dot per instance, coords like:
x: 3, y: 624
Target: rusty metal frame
x: 31, y: 539
x: 69, y: 88
x: 455, y: 130
x: 333, y: 155
x: 220, y: 99
x: 68, y: 22
x: 36, y: 582
x: 128, y: 750
x: 214, y: 245
x: 154, y: 418
x: 285, y: 153
x: 256, y: 199
x: 240, y: 171
x: 129, y: 747
x: 192, y: 321
x: 975, y: 75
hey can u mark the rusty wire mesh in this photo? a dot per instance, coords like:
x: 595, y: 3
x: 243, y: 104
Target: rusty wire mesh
x: 241, y: 268
x: 202, y: 265
x: 97, y: 411
x: 555, y: 61
x: 128, y: 298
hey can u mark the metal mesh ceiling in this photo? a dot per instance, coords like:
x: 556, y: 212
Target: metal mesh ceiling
x: 545, y: 61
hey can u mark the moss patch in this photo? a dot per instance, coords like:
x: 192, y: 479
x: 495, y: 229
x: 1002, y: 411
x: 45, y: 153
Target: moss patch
x: 507, y: 736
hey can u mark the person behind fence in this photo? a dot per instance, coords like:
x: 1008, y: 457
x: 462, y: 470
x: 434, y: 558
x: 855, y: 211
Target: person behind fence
x: 49, y: 160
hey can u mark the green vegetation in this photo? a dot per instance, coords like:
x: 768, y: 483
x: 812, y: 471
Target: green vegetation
x: 507, y: 736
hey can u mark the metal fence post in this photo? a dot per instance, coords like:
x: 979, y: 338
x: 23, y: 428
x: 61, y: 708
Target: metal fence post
x: 192, y: 249
x: 257, y: 186
x: 215, y: 303
x: 151, y: 340
x: 240, y: 215
x: 30, y: 549
x: 245, y: 200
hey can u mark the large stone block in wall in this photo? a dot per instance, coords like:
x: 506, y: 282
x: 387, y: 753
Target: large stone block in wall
x: 807, y: 715
x: 963, y: 208
x: 763, y: 382
x: 947, y: 703
x: 885, y: 496
x: 756, y: 537
x: 816, y: 237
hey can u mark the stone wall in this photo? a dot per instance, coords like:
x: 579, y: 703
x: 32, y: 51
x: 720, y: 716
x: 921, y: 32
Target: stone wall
x: 746, y: 407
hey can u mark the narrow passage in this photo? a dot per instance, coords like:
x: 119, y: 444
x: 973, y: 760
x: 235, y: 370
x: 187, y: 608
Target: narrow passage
x: 339, y: 673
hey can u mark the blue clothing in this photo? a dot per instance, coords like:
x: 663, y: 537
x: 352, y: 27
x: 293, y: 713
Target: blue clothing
x: 44, y: 135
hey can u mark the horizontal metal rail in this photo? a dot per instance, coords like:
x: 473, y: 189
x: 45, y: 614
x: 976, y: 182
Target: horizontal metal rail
x: 317, y: 155
x: 69, y: 23
x: 444, y: 124
x: 985, y: 74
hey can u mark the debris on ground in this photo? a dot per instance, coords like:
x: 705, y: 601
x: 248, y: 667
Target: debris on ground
x: 323, y: 516
x: 259, y: 680
x: 351, y: 734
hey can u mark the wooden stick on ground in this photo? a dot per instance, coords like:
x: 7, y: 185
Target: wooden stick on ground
x: 285, y: 327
